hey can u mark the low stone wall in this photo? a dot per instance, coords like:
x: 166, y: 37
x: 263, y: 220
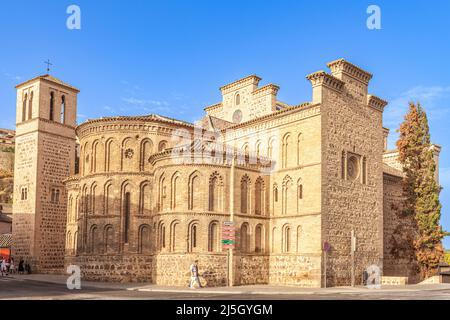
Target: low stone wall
x: 394, y: 281
x: 293, y: 269
x: 251, y: 269
x: 173, y: 269
x: 116, y: 268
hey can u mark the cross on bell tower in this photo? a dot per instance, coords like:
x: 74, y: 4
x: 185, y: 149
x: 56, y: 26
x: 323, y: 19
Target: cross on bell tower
x: 48, y: 63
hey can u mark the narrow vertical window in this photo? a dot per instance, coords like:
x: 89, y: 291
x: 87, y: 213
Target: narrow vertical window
x: 24, y: 107
x: 52, y: 106
x: 30, y: 106
x: 238, y: 99
x: 127, y: 215
x: 63, y: 109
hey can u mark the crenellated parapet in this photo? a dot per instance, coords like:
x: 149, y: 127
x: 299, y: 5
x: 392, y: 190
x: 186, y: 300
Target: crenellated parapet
x: 342, y: 67
x: 321, y: 78
x: 376, y: 103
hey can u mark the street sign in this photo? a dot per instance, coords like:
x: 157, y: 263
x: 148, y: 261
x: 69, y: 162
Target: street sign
x: 326, y: 246
x: 228, y: 235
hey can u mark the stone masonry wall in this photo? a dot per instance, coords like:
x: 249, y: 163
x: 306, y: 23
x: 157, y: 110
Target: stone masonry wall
x: 349, y: 125
x: 399, y: 231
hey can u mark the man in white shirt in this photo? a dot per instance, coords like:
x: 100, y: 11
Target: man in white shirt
x: 194, y: 275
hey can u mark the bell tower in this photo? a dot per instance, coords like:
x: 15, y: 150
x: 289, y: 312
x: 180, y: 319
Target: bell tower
x: 44, y: 156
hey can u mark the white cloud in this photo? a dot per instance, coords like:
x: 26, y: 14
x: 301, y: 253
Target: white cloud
x: 144, y: 102
x: 12, y: 77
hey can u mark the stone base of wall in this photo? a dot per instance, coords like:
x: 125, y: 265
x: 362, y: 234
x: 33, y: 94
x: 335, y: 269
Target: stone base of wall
x: 173, y: 269
x: 114, y: 268
x: 394, y: 281
x: 293, y: 269
x: 251, y: 269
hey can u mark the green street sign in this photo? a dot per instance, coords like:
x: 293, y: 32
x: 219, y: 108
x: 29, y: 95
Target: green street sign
x: 227, y: 241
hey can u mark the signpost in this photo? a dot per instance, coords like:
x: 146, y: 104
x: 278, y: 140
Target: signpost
x: 228, y: 235
x: 228, y: 243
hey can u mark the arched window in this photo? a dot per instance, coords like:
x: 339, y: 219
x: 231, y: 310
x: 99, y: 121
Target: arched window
x: 30, y: 106
x: 245, y: 185
x: 146, y: 151
x: 193, y: 233
x: 174, y: 236
x: 126, y: 215
x: 238, y: 99
x: 246, y: 151
x: 95, y: 154
x: 52, y: 106
x: 109, y: 239
x: 299, y: 194
x: 108, y: 199
x: 93, y: 243
x: 299, y: 148
x: 213, y: 237
x: 63, y: 109
x: 259, y: 196
x: 84, y: 200
x: 127, y: 160
x: 162, y: 146
x: 93, y: 198
x: 24, y: 107
x: 194, y: 196
x: 286, y: 238
x: 285, y: 150
x: 161, y: 237
x: 287, y: 184
x: 215, y: 192
x: 299, y: 234
x: 244, y: 238
x: 258, y: 149
x: 259, y: 237
x: 175, y: 191
x: 68, y: 240
x: 144, y: 239
x: 145, y: 198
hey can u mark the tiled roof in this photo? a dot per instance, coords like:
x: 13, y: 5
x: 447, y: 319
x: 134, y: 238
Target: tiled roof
x: 150, y: 117
x: 49, y: 78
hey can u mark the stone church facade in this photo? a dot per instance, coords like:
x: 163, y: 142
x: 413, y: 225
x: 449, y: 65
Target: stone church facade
x: 151, y: 194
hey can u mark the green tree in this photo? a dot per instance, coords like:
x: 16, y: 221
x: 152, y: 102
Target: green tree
x: 421, y: 189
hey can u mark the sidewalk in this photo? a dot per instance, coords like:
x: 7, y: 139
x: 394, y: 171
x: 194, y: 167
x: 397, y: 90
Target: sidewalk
x: 251, y: 289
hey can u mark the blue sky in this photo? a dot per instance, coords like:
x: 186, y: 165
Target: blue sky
x: 170, y: 57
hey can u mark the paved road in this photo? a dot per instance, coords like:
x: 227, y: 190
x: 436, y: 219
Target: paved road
x: 31, y: 289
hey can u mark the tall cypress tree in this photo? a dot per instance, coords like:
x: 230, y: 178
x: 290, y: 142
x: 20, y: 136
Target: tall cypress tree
x: 421, y: 189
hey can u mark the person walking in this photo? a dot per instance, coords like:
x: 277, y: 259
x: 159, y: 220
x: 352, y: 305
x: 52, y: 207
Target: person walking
x: 21, y: 269
x: 12, y: 267
x: 3, y: 267
x: 194, y: 275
